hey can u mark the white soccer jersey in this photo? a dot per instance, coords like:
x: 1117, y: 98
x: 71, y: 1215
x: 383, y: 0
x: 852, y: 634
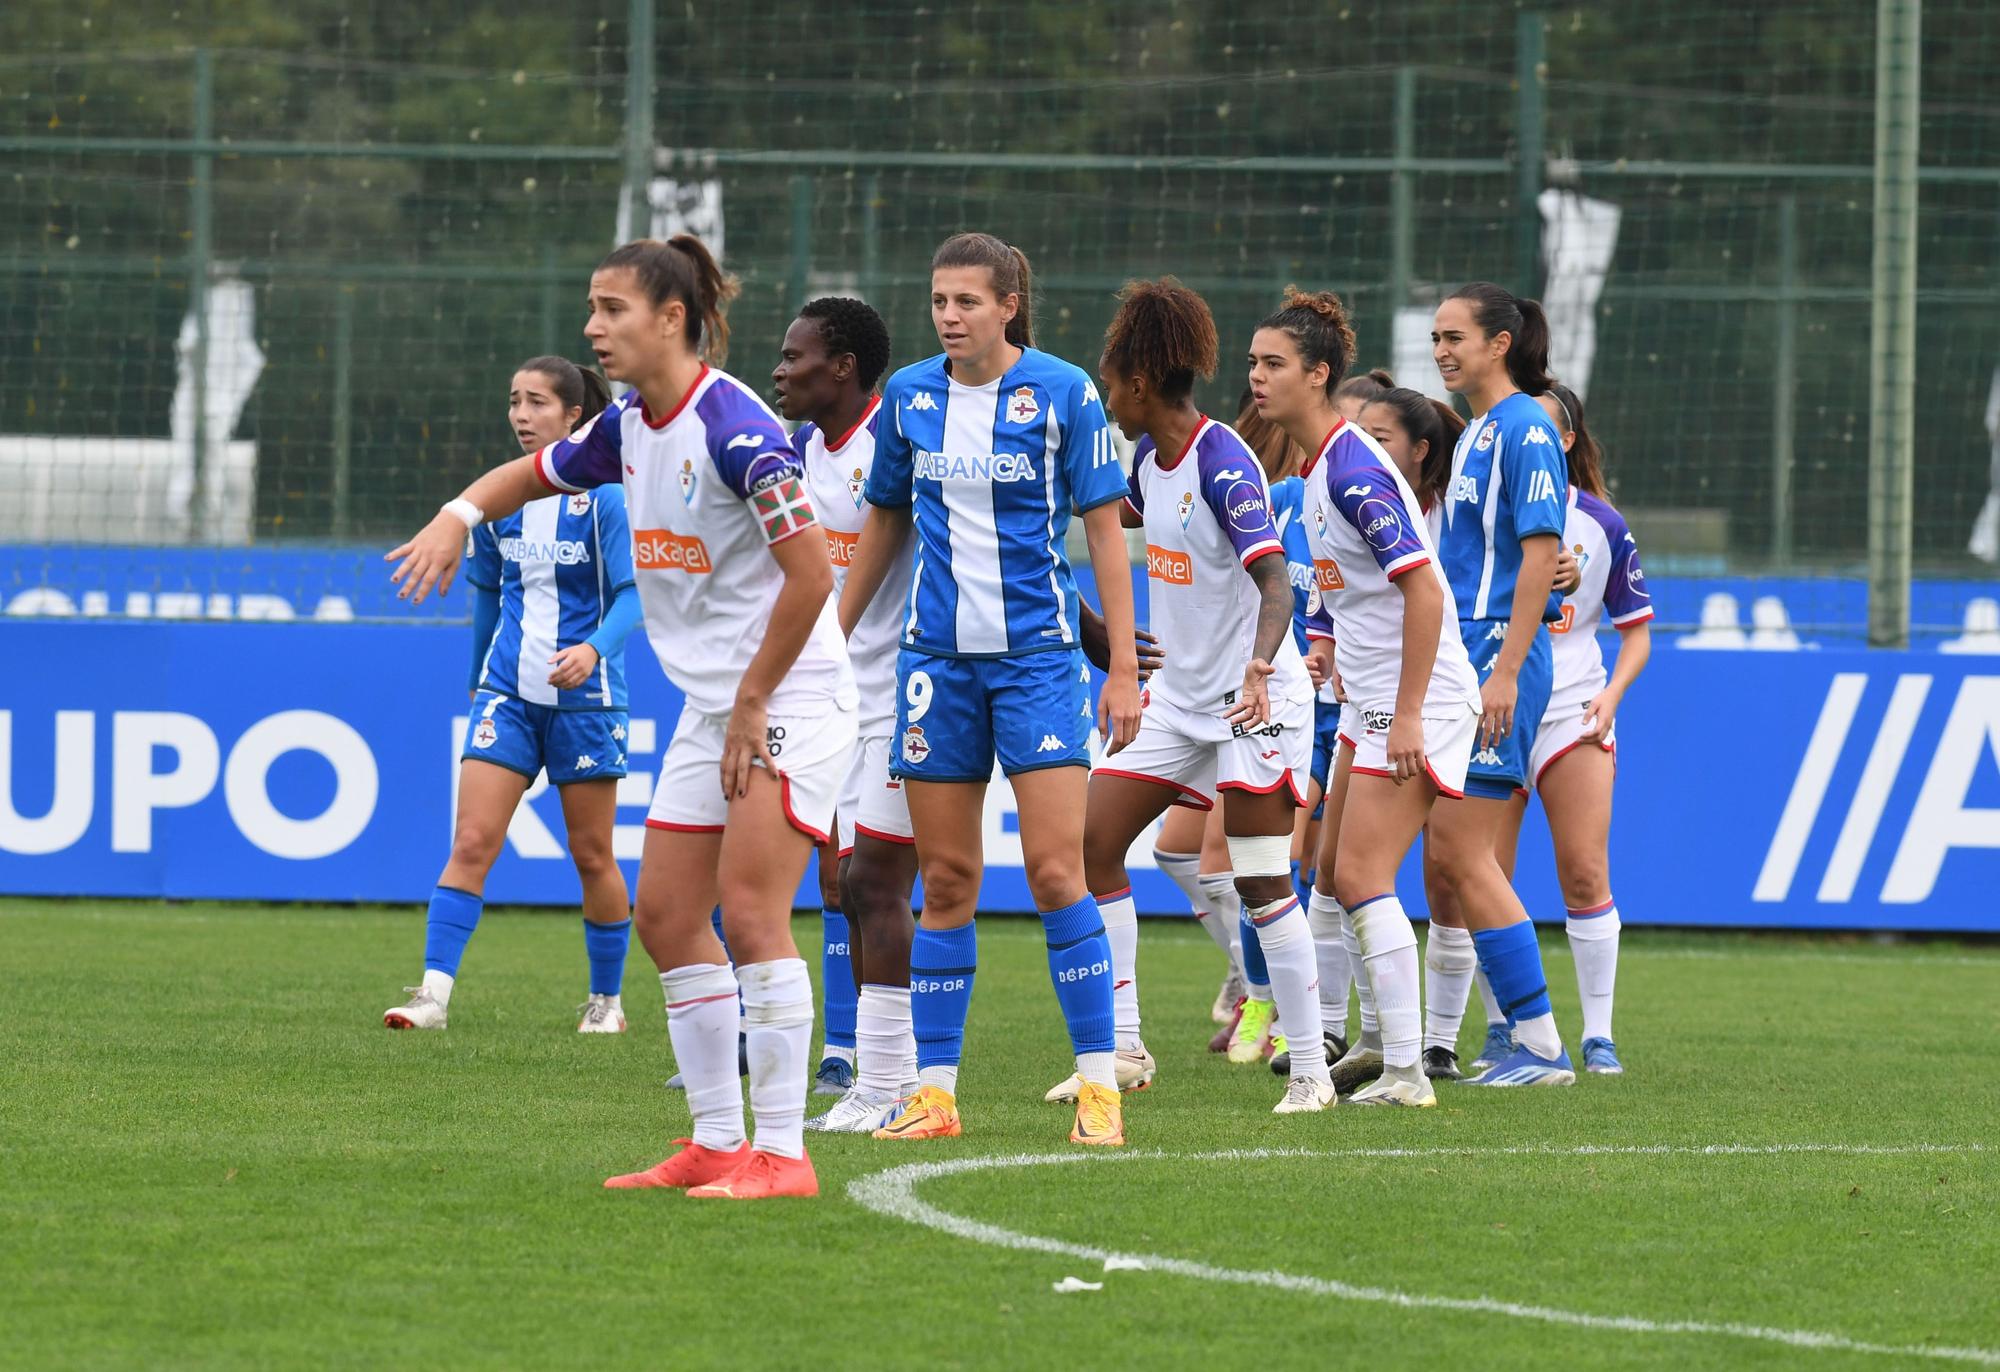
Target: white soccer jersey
x: 1612, y: 584
x: 1208, y: 517
x: 1367, y: 529
x: 708, y: 489
x: 837, y: 477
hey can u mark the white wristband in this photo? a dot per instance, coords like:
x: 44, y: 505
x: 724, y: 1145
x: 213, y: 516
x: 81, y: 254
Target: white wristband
x: 465, y: 510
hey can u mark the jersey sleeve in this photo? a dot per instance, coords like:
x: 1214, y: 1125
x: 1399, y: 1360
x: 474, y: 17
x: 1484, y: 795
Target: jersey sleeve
x: 1626, y: 600
x: 756, y: 461
x: 614, y: 537
x: 1135, y: 494
x: 1233, y: 489
x: 482, y: 558
x: 891, y: 479
x: 1533, y: 471
x: 590, y: 457
x: 1087, y: 457
x: 1369, y: 500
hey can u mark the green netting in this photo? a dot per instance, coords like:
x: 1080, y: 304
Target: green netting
x: 410, y: 196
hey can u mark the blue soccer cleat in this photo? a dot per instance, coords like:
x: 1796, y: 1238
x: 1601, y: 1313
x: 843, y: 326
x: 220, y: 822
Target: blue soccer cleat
x: 1524, y: 1068
x: 1499, y: 1044
x: 1601, y: 1057
x: 834, y: 1077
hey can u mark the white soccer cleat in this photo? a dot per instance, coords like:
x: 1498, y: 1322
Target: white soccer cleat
x: 1397, y: 1086
x: 860, y: 1111
x: 1231, y: 991
x: 601, y: 1015
x: 1134, y: 1066
x: 422, y: 1011
x: 1304, y: 1095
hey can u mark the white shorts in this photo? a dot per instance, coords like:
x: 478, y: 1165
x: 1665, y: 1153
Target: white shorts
x: 871, y: 801
x: 1562, y: 729
x: 809, y: 752
x: 1448, y: 744
x: 1198, y: 755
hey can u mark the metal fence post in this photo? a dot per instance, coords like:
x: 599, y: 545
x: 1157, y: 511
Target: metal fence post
x: 637, y: 220
x: 1530, y: 69
x: 1403, y: 196
x: 798, y: 278
x: 201, y: 253
x: 1893, y: 320
x: 1785, y: 382
x: 343, y: 409
x: 871, y: 235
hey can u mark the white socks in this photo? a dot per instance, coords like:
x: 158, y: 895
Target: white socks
x: 1330, y: 951
x: 885, y: 1045
x: 1288, y: 954
x: 1494, y: 1014
x: 701, y: 1021
x: 1449, y: 962
x: 1593, y: 943
x: 1388, y: 945
x: 1224, y: 907
x: 1121, y: 927
x: 1364, y: 994
x: 439, y: 985
x: 778, y: 1019
x: 944, y: 1079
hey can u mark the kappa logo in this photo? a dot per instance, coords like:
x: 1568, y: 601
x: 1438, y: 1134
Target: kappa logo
x: 1089, y: 393
x: 1486, y: 757
x: 687, y: 480
x: 1536, y: 434
x: 484, y: 734
x: 920, y: 401
x: 1021, y: 406
x: 618, y: 732
x: 1049, y: 744
x: 1541, y: 486
x: 1497, y: 631
x: 584, y: 762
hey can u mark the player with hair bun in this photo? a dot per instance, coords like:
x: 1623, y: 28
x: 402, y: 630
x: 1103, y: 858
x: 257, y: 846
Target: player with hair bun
x: 1228, y: 716
x: 1411, y: 709
x: 555, y: 603
x: 982, y: 452
x: 735, y: 585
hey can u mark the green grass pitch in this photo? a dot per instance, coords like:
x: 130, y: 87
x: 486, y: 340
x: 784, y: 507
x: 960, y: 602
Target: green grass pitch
x: 212, y: 1155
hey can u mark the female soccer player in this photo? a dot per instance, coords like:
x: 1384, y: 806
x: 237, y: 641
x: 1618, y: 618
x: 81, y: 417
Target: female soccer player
x: 735, y: 586
x: 833, y: 355
x: 555, y: 603
x: 984, y: 449
x: 1501, y: 523
x: 1574, y: 759
x: 1411, y: 695
x: 1229, y: 714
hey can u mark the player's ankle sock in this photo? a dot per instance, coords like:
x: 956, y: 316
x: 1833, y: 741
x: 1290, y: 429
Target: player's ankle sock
x: 778, y: 1010
x: 1286, y: 938
x: 836, y: 976
x: 1080, y: 969
x: 1389, y: 953
x: 1494, y: 1014
x: 1513, y: 964
x: 942, y: 962
x: 701, y: 1022
x: 1370, y: 1035
x: 943, y: 1076
x: 1330, y: 952
x: 1448, y: 966
x: 1593, y: 944
x: 885, y: 1047
x: 1121, y: 930
x: 605, y: 945
x: 1184, y: 868
x: 448, y: 927
x: 1256, y: 971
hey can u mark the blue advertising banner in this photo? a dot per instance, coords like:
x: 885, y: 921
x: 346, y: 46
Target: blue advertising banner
x: 314, y: 761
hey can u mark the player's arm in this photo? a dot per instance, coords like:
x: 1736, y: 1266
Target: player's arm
x: 1274, y: 624
x: 884, y: 530
x: 801, y: 556
x: 1631, y: 611
x: 1531, y: 596
x: 1118, y: 703
x: 485, y: 619
x: 572, y: 666
x: 1423, y: 620
x: 1097, y: 647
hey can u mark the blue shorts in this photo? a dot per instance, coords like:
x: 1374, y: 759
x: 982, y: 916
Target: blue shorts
x: 955, y: 714
x: 573, y: 745
x: 1326, y: 743
x: 1497, y: 772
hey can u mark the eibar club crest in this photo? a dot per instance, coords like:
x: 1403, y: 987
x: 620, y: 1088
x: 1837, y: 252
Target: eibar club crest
x: 1186, y: 507
x: 687, y: 480
x: 856, y: 484
x: 1021, y: 406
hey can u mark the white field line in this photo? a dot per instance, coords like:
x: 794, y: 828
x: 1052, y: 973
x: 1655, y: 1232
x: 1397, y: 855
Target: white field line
x: 894, y: 1193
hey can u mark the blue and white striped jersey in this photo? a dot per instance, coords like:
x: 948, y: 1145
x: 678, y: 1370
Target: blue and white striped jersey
x: 558, y: 564
x: 1288, y: 499
x: 991, y: 474
x: 1508, y: 480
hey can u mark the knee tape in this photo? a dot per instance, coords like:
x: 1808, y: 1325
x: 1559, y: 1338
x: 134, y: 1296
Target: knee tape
x: 1381, y: 927
x: 1261, y: 855
x: 698, y: 982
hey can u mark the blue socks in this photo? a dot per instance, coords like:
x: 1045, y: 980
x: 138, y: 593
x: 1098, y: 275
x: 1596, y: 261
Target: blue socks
x: 1512, y: 961
x: 942, y: 962
x: 1080, y: 967
x: 454, y: 914
x: 836, y: 975
x: 1255, y: 973
x: 605, y: 945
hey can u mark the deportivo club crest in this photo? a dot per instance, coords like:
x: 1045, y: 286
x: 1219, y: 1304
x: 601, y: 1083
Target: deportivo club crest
x: 855, y: 485
x: 579, y: 504
x: 1021, y: 406
x: 687, y: 480
x: 1186, y: 507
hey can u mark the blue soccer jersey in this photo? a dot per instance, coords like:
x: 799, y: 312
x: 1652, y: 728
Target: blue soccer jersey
x: 991, y: 474
x: 1509, y: 480
x: 557, y: 564
x: 1288, y: 499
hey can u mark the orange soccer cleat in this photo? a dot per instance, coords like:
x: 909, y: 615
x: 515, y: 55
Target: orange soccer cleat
x: 692, y: 1166
x: 930, y: 1114
x: 763, y: 1177
x: 1100, y: 1117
